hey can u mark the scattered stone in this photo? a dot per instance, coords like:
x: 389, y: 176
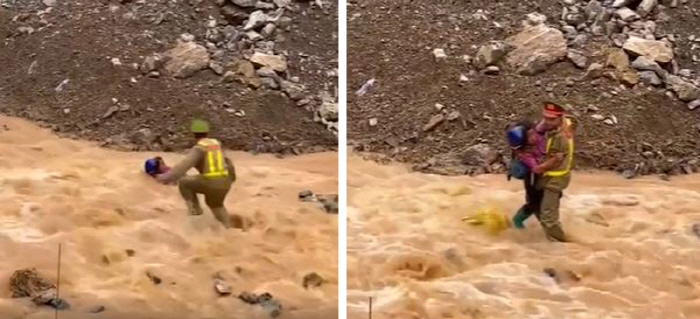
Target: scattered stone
x: 221, y: 287
x: 233, y: 14
x: 660, y: 51
x: 579, y: 59
x: 373, y: 121
x: 266, y: 72
x: 25, y: 30
x: 627, y: 15
x: 97, y: 309
x: 646, y: 63
x: 621, y: 3
x: 269, y: 83
x: 186, y: 59
x: 535, y: 48
x: 685, y: 73
x: 245, y: 3
x: 433, y: 122
x: 579, y: 41
x: 439, y: 54
x: 439, y: 107
x: 264, y: 5
x: 618, y: 59
x: 650, y: 78
x: 694, y: 104
x: 328, y: 110
x: 294, y: 91
x: 598, y: 117
x: 254, y: 36
x: 492, y: 70
x: 268, y: 30
x: 463, y: 78
x: 154, y: 279
x: 256, y: 20
x: 216, y: 67
x: 593, y: 9
x: 453, y: 115
x: 186, y: 37
x: 282, y: 3
x: 535, y: 18
x: 490, y: 54
x: 49, y: 3
x: 685, y: 90
x: 312, y: 280
x: 306, y: 196
x: 646, y: 7
x: 274, y: 62
x: 265, y: 300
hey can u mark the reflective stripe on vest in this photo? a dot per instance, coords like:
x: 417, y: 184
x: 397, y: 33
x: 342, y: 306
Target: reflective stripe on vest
x: 570, y: 155
x: 215, y: 159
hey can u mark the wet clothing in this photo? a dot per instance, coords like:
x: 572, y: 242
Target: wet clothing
x: 554, y: 181
x: 216, y: 174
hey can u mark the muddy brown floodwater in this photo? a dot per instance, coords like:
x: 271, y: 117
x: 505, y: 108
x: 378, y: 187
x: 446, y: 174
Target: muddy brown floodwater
x: 99, y: 204
x: 635, y: 255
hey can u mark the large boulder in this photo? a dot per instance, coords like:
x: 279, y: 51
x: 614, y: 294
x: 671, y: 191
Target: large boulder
x: 186, y: 59
x: 660, y: 51
x: 535, y: 48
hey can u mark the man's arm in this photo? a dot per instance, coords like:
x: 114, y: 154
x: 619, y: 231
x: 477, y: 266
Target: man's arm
x: 181, y: 168
x: 555, y: 157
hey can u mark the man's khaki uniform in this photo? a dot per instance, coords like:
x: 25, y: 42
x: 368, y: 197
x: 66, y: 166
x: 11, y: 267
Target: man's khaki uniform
x: 216, y: 174
x: 555, y: 181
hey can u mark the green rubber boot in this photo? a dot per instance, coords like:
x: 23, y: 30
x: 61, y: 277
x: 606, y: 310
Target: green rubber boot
x: 519, y: 219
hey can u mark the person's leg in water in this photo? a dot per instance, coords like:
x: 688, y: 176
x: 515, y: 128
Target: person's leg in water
x: 214, y: 197
x: 189, y: 187
x: 533, y: 199
x: 549, y: 216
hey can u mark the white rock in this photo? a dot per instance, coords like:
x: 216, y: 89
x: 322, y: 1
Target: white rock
x: 373, y: 121
x: 186, y: 59
x: 535, y: 18
x: 187, y: 37
x: 694, y: 104
x: 49, y: 3
x: 626, y: 14
x: 646, y: 7
x: 439, y: 54
x: 535, y: 48
x: 116, y: 62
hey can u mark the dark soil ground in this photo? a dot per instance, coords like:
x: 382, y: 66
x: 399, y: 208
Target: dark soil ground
x: 392, y: 41
x: 82, y: 36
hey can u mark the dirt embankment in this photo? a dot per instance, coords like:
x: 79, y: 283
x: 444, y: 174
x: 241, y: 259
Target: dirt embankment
x: 134, y: 73
x: 424, y: 105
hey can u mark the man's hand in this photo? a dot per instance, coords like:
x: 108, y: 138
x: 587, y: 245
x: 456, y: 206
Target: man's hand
x: 162, y: 178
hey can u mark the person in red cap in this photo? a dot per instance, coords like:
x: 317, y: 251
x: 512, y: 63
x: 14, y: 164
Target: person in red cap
x: 556, y: 167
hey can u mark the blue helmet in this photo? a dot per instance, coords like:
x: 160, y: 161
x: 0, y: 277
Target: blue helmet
x: 516, y: 136
x: 151, y: 166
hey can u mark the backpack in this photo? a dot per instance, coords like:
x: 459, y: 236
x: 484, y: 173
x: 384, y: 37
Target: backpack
x: 517, y: 169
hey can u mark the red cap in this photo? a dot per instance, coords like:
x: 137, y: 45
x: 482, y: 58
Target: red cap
x: 552, y: 110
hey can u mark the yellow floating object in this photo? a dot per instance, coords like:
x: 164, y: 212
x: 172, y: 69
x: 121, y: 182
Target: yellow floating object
x: 490, y: 219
